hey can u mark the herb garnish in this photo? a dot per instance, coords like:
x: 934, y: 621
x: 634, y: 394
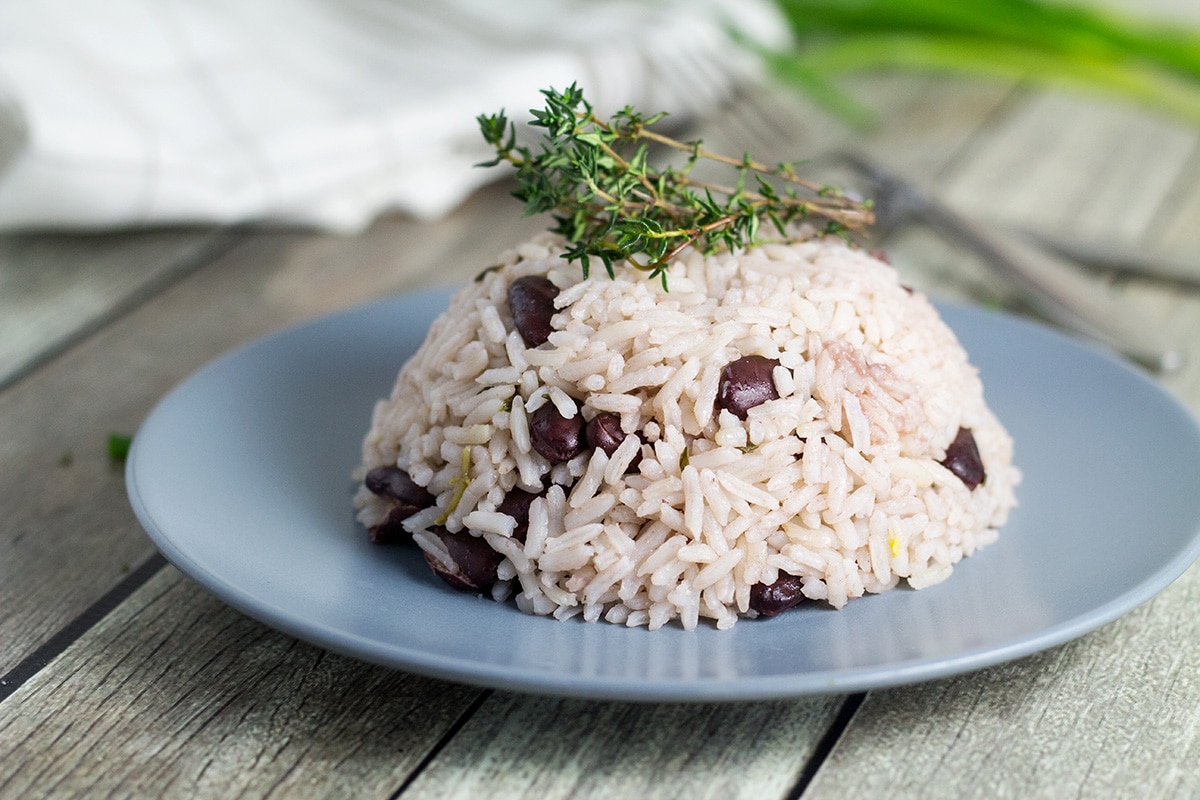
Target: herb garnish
x: 609, y: 203
x: 118, y: 446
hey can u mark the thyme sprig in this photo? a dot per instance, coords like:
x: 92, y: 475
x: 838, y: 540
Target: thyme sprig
x: 611, y: 204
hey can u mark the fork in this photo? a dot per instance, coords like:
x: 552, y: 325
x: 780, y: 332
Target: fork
x: 1052, y: 286
x: 1049, y: 280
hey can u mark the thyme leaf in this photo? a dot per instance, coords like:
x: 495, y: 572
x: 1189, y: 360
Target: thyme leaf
x: 611, y: 204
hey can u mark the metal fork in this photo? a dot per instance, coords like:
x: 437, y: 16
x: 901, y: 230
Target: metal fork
x: 1052, y: 285
x: 1055, y: 288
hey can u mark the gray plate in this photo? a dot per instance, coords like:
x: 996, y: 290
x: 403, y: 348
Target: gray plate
x: 241, y: 477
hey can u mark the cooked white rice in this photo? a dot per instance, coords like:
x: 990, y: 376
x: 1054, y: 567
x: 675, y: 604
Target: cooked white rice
x: 838, y: 481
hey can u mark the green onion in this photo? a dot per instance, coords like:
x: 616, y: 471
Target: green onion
x: 1151, y: 63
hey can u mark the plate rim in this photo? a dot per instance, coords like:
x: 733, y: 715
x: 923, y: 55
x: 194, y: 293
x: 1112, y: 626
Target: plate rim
x: 747, y: 688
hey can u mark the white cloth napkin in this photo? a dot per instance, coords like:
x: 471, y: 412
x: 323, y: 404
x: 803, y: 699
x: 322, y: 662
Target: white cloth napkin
x: 318, y: 112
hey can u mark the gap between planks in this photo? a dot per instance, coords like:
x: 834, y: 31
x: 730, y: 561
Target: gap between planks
x: 137, y: 578
x: 29, y: 666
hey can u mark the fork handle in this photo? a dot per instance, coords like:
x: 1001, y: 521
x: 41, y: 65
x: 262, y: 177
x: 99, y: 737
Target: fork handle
x: 1063, y: 293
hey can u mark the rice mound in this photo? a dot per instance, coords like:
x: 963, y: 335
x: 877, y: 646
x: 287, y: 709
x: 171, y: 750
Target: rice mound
x: 839, y: 482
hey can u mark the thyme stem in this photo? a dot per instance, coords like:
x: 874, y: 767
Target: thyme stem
x: 610, y: 204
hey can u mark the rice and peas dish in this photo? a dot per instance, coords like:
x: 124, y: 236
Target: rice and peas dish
x: 786, y: 423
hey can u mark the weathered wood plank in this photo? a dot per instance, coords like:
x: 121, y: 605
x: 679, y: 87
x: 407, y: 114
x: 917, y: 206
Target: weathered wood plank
x: 1176, y: 225
x: 176, y: 695
x: 1114, y: 714
x: 1068, y: 164
x: 518, y: 746
x: 923, y: 122
x: 1176, y: 308
x: 66, y: 530
x: 1098, y: 172
x: 54, y: 289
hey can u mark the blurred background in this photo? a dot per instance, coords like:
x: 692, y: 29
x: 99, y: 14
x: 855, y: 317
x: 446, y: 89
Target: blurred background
x: 181, y: 177
x: 327, y: 114
x: 139, y: 140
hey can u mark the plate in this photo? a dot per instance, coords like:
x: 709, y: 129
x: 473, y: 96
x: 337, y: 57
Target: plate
x: 241, y: 476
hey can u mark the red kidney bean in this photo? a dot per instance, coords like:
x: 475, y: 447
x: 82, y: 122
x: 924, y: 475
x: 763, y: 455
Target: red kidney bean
x: 963, y: 459
x: 516, y: 504
x: 556, y: 437
x: 604, y: 432
x: 393, y: 483
x: 746, y: 383
x: 475, y: 562
x: 391, y: 530
x: 772, y: 599
x: 531, y: 301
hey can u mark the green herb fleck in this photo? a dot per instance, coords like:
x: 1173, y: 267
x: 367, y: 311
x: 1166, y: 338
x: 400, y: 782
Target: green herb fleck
x: 118, y: 446
x: 460, y: 483
x: 483, y: 273
x: 685, y: 458
x: 611, y: 205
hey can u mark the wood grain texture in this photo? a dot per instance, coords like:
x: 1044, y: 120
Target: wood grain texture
x: 518, y: 746
x: 1096, y: 172
x: 1176, y: 227
x: 67, y: 532
x: 1115, y: 714
x: 924, y: 122
x: 1068, y: 164
x: 175, y: 695
x: 55, y: 289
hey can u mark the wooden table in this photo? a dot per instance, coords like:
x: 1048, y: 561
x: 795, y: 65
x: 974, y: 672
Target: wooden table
x: 121, y: 677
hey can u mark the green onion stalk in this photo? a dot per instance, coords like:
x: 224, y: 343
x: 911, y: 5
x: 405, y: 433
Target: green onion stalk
x: 1152, y: 63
